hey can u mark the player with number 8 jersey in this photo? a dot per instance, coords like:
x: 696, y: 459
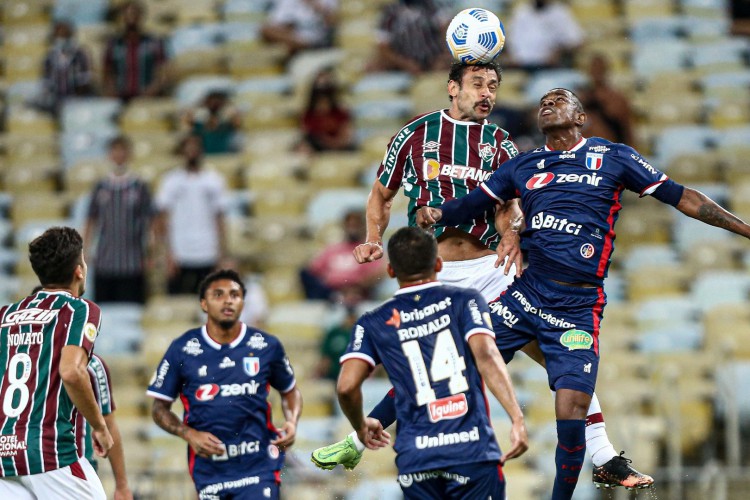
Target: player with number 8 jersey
x: 37, y: 416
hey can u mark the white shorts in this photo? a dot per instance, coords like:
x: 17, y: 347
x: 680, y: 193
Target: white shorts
x: 480, y: 274
x: 77, y: 481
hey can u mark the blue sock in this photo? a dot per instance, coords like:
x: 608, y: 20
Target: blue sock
x: 385, y: 411
x: 571, y: 449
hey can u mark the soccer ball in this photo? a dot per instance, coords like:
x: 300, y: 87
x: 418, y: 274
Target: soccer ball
x: 475, y: 36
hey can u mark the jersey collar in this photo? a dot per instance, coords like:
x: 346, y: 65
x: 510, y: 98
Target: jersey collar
x: 211, y: 342
x: 416, y: 288
x: 459, y: 122
x: 574, y: 148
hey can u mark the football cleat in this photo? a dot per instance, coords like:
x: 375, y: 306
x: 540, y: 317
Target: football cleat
x: 344, y: 452
x: 618, y: 472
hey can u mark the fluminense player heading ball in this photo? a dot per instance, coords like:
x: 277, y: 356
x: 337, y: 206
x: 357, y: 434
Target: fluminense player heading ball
x: 437, y: 347
x: 223, y: 372
x: 47, y: 339
x: 570, y: 190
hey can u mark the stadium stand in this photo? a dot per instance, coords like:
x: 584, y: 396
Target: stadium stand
x: 676, y: 333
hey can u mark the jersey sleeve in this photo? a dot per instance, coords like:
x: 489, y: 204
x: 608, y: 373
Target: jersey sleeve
x: 500, y: 184
x: 166, y: 382
x: 391, y: 170
x: 475, y: 316
x: 84, y: 325
x: 361, y: 345
x: 282, y: 374
x: 101, y: 383
x: 638, y: 175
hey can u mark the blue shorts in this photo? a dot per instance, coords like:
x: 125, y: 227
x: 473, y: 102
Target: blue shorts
x: 248, y: 487
x: 564, y: 319
x: 484, y: 480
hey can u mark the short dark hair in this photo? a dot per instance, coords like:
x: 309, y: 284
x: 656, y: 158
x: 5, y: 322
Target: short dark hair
x: 120, y: 140
x: 458, y: 70
x: 412, y: 252
x: 221, y: 274
x: 55, y: 254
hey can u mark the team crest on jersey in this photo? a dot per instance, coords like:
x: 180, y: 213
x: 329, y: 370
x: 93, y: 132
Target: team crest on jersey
x: 487, y: 151
x: 431, y: 147
x: 89, y: 331
x: 431, y: 169
x: 594, y: 161
x: 257, y: 341
x: 273, y: 451
x: 192, y: 347
x: 251, y: 365
x: 587, y: 250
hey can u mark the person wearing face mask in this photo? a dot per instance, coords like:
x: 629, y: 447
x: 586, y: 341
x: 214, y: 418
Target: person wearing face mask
x: 119, y: 230
x: 67, y: 68
x: 134, y: 61
x: 334, y: 275
x: 542, y: 34
x: 411, y: 38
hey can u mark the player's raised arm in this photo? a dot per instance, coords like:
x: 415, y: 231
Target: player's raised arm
x: 699, y: 206
x: 495, y: 374
x: 458, y: 211
x: 378, y: 215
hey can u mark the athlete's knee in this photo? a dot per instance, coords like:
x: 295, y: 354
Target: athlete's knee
x: 571, y: 404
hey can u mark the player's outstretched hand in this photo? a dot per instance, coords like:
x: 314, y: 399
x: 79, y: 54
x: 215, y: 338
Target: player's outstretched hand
x: 373, y: 435
x: 368, y: 251
x: 287, y: 435
x: 123, y: 494
x: 428, y: 216
x: 510, y: 247
x: 519, y: 441
x: 205, y: 444
x: 103, y: 441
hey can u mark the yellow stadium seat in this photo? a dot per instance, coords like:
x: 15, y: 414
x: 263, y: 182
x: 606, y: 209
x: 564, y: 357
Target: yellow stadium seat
x: 144, y: 115
x: 23, y: 120
x: 81, y: 177
x: 30, y: 207
x: 657, y: 281
x: 282, y: 285
x: 336, y: 169
x: 20, y: 12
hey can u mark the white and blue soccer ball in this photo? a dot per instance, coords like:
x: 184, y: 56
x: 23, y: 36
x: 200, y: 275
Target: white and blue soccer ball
x: 475, y: 36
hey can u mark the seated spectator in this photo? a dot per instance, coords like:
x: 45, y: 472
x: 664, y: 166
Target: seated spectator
x: 191, y: 203
x: 67, y: 69
x: 119, y: 224
x: 134, y: 61
x: 327, y: 124
x: 301, y: 24
x: 542, y: 34
x: 335, y: 275
x: 608, y: 111
x: 216, y: 121
x: 411, y: 38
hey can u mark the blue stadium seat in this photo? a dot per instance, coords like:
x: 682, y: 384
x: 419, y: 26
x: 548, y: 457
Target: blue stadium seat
x: 329, y: 205
x: 85, y: 145
x: 237, y: 31
x: 121, y: 331
x: 196, y: 37
x: 652, y: 29
x: 731, y: 379
x: 245, y: 9
x: 192, y: 90
x: 713, y: 288
x: 660, y: 312
x: 81, y: 12
x: 23, y: 92
x: 729, y: 53
x: 681, y: 139
x: 661, y: 56
x: 705, y: 28
x: 94, y: 114
x: 277, y: 84
x: 543, y: 81
x: 396, y: 82
x: 675, y: 337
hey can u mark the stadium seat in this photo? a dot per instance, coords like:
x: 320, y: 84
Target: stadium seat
x: 380, y: 113
x: 80, y: 177
x: 282, y: 285
x: 722, y: 55
x: 245, y: 10
x: 331, y: 170
x: 254, y: 61
x: 657, y: 281
x: 264, y: 171
x: 684, y: 139
x: 664, y: 56
x: 329, y: 205
x: 82, y: 11
x: 702, y: 29
x: 382, y: 84
x: 147, y: 115
x: 731, y: 380
x: 727, y: 330
x: 191, y: 91
x: 89, y: 114
x: 645, y: 30
x: 290, y: 200
x: 23, y: 120
x: 710, y: 9
x: 85, y: 145
x: 712, y: 288
x: 638, y: 9
x: 649, y: 254
x: 672, y: 338
x: 542, y: 81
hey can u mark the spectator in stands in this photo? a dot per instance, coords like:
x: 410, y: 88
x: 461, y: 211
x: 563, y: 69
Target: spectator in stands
x: 542, y: 34
x: 119, y: 226
x: 216, y: 121
x: 608, y: 111
x: 301, y: 24
x: 740, y: 15
x: 67, y: 68
x: 334, y: 274
x: 333, y: 345
x: 191, y: 203
x: 327, y: 123
x: 134, y: 61
x: 411, y: 38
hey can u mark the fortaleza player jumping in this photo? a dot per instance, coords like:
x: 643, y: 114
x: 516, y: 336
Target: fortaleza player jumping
x: 444, y: 155
x: 570, y: 191
x: 223, y: 372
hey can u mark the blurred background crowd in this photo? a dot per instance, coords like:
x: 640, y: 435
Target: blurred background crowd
x: 182, y: 135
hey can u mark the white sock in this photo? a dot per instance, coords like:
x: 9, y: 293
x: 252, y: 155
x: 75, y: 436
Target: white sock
x: 360, y: 446
x: 597, y: 441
